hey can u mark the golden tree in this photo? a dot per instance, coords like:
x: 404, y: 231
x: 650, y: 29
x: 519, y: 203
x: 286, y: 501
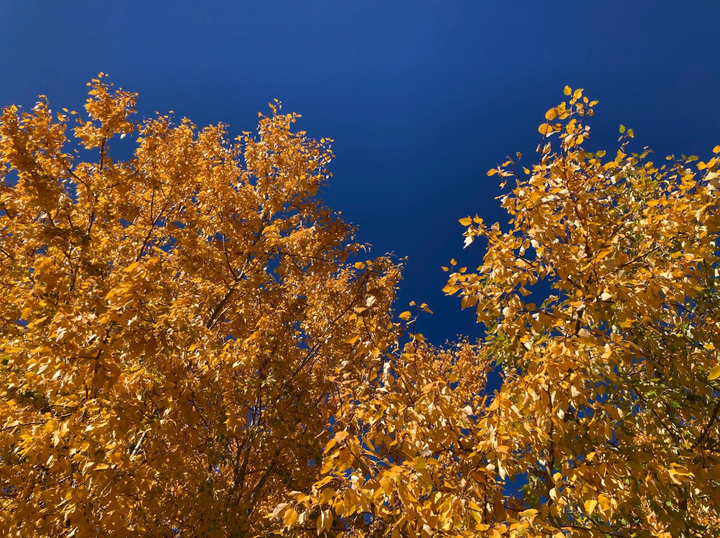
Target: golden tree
x: 174, y: 325
x: 187, y: 350
x: 601, y: 303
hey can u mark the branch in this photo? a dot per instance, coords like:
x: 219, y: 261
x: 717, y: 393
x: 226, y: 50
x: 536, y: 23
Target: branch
x: 709, y: 425
x: 21, y: 425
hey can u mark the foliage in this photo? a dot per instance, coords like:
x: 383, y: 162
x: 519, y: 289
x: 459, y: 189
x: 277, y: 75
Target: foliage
x: 188, y: 351
x: 607, y: 416
x: 173, y: 324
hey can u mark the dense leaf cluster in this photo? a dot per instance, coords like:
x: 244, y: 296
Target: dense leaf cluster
x: 187, y: 348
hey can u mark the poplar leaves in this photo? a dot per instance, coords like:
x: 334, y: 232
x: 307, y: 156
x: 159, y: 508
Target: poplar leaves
x: 174, y: 324
x: 600, y: 304
x: 186, y: 348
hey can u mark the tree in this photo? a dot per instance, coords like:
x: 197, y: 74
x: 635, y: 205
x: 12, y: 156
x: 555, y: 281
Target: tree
x: 188, y: 350
x: 601, y: 303
x: 175, y: 325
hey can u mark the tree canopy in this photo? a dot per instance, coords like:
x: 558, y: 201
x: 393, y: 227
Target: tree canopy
x: 192, y: 344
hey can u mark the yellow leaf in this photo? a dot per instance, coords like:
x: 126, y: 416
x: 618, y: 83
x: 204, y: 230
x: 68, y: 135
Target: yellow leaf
x: 290, y: 517
x: 467, y: 221
x: 341, y: 436
x: 405, y: 315
x: 322, y: 482
x: 426, y: 308
x: 568, y: 90
x: 299, y: 496
x: 714, y: 373
x: 545, y: 129
x: 590, y: 506
x: 324, y: 521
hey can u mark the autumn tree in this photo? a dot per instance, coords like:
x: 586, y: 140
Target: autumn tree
x: 189, y: 350
x: 601, y: 307
x: 175, y: 326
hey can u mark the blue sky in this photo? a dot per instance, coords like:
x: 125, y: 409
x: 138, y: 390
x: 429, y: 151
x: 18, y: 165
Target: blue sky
x: 421, y: 97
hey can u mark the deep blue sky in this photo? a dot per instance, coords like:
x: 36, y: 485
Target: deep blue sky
x: 421, y: 97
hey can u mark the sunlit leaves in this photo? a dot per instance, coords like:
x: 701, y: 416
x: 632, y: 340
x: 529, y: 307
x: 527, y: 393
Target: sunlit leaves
x: 177, y: 327
x: 190, y: 346
x: 600, y: 305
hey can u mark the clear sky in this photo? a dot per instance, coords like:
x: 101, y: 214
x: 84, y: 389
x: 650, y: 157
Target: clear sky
x: 422, y: 97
